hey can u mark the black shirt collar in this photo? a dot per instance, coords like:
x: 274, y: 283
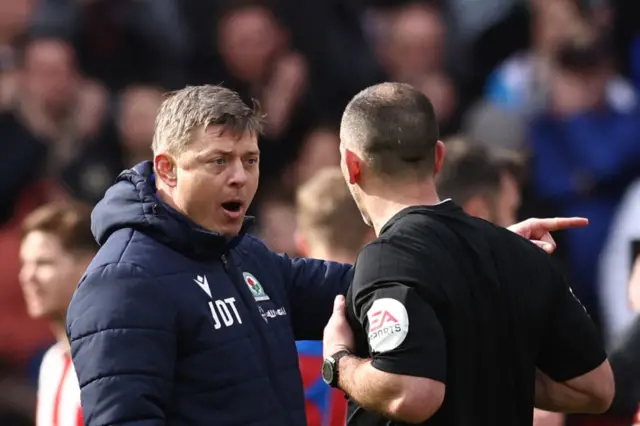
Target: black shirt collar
x: 444, y: 206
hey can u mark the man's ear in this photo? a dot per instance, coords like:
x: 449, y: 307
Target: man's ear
x: 476, y: 206
x: 352, y: 162
x: 166, y: 169
x: 302, y: 246
x: 440, y: 151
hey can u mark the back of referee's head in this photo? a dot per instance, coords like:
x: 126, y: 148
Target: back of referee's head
x: 389, y: 134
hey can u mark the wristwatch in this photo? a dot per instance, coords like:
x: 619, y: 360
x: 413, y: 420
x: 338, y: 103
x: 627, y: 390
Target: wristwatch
x: 330, y: 368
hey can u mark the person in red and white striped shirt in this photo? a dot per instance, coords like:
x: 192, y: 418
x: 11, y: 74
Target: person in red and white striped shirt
x: 57, y: 246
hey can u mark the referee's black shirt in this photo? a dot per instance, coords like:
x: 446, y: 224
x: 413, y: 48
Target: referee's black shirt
x: 453, y: 298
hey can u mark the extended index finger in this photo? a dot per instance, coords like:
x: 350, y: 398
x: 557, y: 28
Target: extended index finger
x: 560, y: 223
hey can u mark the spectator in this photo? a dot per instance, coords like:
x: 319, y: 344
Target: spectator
x: 413, y: 43
x: 584, y: 153
x: 329, y: 223
x: 122, y: 145
x: 521, y: 82
x: 14, y: 17
x: 440, y: 90
x: 411, y: 46
x: 56, y: 248
x: 329, y: 227
x: 262, y: 65
x: 624, y: 354
x: 319, y: 149
x: 276, y: 211
x: 341, y: 62
x: 22, y: 337
x: 475, y: 180
x: 55, y: 103
x: 616, y: 265
x: 120, y: 41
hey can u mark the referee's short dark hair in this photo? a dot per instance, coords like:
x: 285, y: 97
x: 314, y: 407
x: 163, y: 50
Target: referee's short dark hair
x: 468, y: 170
x: 393, y: 127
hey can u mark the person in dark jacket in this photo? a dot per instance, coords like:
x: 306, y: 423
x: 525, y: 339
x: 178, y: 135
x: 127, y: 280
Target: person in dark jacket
x: 182, y: 318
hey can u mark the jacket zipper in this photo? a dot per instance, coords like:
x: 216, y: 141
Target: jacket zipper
x: 257, y: 324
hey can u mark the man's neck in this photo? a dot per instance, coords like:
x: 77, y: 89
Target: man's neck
x: 164, y: 196
x: 383, y: 208
x: 60, y: 333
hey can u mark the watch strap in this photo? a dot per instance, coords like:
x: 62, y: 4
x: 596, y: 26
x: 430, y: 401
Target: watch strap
x: 336, y: 359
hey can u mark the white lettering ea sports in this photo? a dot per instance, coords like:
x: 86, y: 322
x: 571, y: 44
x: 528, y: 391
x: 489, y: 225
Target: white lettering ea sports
x: 388, y: 325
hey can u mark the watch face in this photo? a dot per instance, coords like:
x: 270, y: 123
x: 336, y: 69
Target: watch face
x: 327, y: 371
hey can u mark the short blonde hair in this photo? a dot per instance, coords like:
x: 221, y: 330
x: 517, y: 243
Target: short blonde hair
x: 194, y: 107
x: 328, y: 215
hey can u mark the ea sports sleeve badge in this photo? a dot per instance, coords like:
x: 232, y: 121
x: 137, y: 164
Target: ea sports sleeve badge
x: 388, y: 325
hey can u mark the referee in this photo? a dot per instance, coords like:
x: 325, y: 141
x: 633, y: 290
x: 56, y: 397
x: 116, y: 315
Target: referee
x: 455, y: 321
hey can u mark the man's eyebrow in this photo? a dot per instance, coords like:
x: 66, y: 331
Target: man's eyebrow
x: 215, y: 151
x: 219, y: 151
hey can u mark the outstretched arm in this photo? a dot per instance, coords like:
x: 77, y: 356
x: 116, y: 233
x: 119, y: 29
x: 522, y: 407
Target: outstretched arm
x: 539, y: 230
x: 312, y: 285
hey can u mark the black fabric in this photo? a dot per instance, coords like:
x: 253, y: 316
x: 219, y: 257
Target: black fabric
x: 502, y: 306
x: 413, y: 339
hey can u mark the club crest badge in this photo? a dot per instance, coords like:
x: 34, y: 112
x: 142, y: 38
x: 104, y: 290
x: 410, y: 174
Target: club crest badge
x: 256, y: 288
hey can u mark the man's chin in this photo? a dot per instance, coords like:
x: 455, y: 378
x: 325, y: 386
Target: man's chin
x: 232, y: 232
x: 38, y: 312
x: 230, y: 229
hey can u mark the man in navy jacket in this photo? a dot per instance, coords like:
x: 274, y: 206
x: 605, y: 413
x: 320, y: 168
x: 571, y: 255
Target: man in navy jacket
x: 181, y: 318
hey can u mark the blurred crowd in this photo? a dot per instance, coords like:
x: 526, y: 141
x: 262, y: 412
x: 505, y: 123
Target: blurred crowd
x: 552, y: 83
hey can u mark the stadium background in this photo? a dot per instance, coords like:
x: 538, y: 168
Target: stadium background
x: 553, y: 81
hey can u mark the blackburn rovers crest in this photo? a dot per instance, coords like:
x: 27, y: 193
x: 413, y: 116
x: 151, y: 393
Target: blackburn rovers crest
x: 256, y: 288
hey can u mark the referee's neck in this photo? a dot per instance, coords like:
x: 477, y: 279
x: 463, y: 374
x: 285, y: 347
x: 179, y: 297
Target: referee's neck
x: 381, y: 208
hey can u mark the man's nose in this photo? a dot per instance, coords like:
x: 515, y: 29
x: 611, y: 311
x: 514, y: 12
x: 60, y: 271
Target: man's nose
x: 238, y: 174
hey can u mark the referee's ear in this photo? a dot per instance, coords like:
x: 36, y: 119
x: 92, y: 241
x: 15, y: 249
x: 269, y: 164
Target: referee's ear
x: 353, y: 166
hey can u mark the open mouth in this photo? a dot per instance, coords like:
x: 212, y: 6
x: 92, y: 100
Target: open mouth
x: 232, y: 206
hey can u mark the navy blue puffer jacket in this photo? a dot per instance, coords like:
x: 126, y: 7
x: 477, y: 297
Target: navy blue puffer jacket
x: 174, y: 325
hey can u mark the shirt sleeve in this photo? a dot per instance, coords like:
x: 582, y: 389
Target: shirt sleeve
x: 403, y: 332
x: 312, y: 285
x: 571, y: 345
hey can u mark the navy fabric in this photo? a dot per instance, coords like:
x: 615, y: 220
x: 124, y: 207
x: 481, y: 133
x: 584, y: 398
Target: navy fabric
x: 167, y: 327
